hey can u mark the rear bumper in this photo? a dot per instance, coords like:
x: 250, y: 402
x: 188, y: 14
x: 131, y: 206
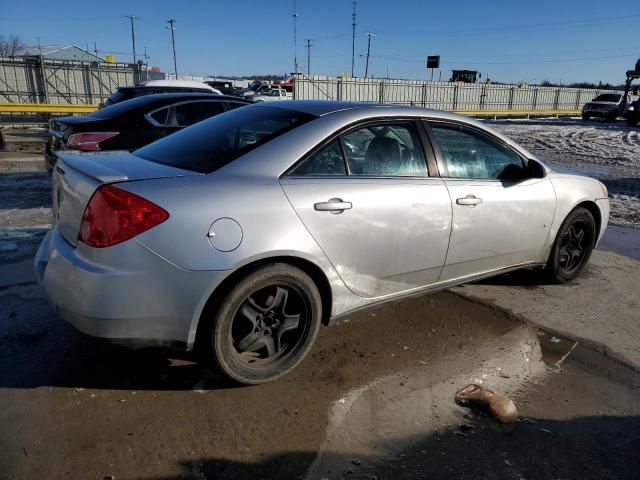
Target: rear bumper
x: 138, y: 298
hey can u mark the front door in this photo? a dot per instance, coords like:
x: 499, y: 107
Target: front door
x: 368, y: 201
x: 499, y: 220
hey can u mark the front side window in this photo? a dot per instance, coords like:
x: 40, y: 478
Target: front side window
x: 385, y: 150
x: 219, y: 140
x: 468, y: 153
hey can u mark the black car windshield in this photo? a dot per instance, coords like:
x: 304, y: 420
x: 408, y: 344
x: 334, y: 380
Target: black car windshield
x: 607, y: 97
x: 120, y: 95
x: 217, y: 141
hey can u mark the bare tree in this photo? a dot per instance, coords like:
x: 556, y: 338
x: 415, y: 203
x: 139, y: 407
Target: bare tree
x: 10, y: 47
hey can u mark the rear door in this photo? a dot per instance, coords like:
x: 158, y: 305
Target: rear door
x: 499, y: 220
x: 367, y: 199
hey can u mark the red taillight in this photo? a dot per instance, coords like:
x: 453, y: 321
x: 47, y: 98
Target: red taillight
x: 114, y: 215
x: 89, y: 140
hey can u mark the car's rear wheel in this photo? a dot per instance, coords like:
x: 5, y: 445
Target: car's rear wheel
x: 573, y: 246
x: 266, y: 324
x: 611, y: 117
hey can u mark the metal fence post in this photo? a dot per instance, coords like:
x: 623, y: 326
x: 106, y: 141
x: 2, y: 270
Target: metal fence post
x: 424, y: 94
x: 381, y: 92
x: 43, y: 75
x: 511, y: 92
x: 578, y: 99
x: 556, y: 102
x: 339, y: 89
x: 535, y: 99
x: 455, y: 97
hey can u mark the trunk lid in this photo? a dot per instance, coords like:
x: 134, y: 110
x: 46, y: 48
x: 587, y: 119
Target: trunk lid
x: 77, y: 176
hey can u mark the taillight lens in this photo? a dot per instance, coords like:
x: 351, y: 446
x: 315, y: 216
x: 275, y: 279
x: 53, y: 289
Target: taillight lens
x: 89, y: 140
x: 114, y: 215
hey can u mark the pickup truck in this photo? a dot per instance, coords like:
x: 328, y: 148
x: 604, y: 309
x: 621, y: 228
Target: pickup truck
x: 271, y: 95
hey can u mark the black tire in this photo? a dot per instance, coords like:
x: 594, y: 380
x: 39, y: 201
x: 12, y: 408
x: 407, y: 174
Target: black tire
x: 585, y: 116
x: 260, y: 312
x: 632, y: 121
x: 611, y: 117
x: 571, y: 249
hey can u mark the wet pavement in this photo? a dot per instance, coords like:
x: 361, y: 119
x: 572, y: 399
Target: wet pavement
x: 375, y: 396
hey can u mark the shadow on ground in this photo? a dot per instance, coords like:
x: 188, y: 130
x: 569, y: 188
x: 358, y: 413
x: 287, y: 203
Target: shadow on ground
x: 596, y: 447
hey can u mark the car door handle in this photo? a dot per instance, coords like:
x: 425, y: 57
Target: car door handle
x: 334, y: 205
x: 469, y: 201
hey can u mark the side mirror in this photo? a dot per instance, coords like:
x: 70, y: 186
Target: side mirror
x: 535, y: 169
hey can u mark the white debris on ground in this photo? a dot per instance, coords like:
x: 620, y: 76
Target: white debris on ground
x: 608, y: 151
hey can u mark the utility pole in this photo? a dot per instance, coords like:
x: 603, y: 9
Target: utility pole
x: 366, y: 69
x: 146, y: 62
x: 353, y: 37
x: 308, y: 47
x: 133, y: 35
x: 295, y: 37
x: 172, y: 27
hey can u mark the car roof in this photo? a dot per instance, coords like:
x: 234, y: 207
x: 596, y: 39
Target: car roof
x: 161, y: 99
x: 320, y: 108
x: 174, y: 83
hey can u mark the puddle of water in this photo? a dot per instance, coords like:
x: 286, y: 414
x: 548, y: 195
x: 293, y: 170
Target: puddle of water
x: 377, y: 418
x: 622, y: 240
x: 554, y: 349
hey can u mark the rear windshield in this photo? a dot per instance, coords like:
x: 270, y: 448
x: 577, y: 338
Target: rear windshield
x: 607, y: 97
x: 215, y: 142
x: 120, y: 95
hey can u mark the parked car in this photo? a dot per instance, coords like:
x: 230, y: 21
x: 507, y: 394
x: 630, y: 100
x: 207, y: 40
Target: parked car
x: 224, y: 87
x: 270, y: 95
x: 133, y: 123
x: 255, y: 87
x: 606, y: 105
x: 242, y: 234
x: 159, y: 86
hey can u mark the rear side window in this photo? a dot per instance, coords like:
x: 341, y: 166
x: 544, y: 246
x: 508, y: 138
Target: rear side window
x: 159, y: 117
x: 215, y: 142
x: 327, y: 161
x: 186, y: 114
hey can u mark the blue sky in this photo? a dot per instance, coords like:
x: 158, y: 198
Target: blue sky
x: 508, y: 41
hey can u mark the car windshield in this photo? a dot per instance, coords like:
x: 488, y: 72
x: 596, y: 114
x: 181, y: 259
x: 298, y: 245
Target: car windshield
x: 607, y: 97
x: 213, y: 143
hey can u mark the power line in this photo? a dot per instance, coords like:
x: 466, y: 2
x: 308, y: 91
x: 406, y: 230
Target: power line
x: 583, y: 59
x: 172, y: 27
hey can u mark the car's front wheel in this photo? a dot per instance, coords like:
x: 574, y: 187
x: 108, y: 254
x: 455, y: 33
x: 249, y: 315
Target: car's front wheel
x: 266, y: 324
x: 585, y: 116
x: 572, y: 247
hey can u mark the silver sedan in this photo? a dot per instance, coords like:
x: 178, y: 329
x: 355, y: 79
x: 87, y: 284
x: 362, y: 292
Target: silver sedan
x: 242, y: 234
